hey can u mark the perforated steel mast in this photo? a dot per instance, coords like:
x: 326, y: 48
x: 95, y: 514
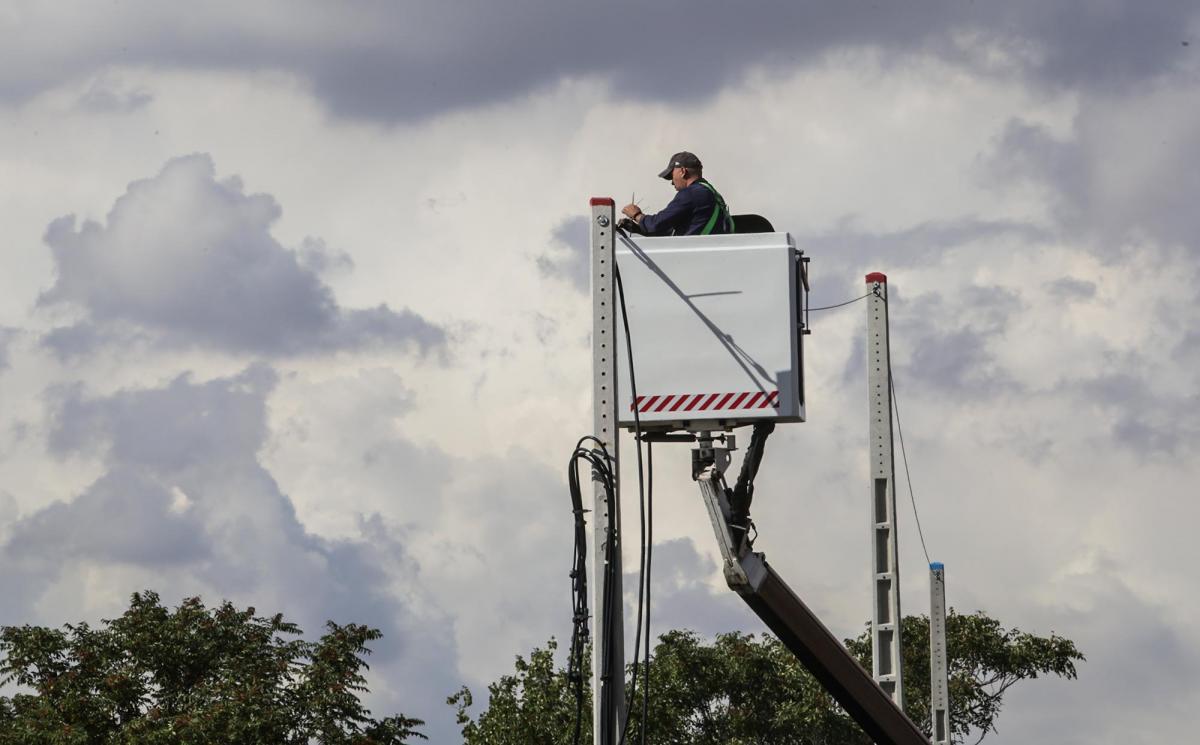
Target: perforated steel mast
x: 939, y: 689
x: 885, y: 563
x: 608, y: 641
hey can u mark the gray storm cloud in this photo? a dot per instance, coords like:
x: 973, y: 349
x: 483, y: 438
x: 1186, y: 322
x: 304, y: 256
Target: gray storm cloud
x: 7, y: 336
x: 1138, y: 663
x: 682, y: 596
x: 186, y: 259
x: 126, y: 517
x: 954, y: 352
x: 1104, y: 187
x: 184, y: 498
x: 336, y: 505
x: 568, y: 260
x: 404, y: 61
x: 189, y: 501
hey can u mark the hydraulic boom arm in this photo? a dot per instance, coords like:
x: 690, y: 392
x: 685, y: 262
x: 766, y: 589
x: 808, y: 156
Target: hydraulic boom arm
x: 792, y: 621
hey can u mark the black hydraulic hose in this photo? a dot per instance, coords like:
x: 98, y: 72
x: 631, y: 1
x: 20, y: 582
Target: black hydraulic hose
x: 609, y: 609
x: 743, y: 491
x: 578, y: 595
x: 600, y: 462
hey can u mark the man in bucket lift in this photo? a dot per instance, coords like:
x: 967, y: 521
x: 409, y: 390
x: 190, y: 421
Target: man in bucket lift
x: 697, y: 208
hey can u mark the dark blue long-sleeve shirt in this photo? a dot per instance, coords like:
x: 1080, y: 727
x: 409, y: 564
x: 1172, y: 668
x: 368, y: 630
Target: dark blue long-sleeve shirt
x: 687, y: 214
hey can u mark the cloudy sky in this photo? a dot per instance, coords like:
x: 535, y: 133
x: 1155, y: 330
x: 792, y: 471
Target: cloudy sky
x: 294, y: 313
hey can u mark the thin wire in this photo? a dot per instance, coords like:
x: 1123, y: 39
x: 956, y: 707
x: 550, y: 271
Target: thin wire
x: 649, y: 558
x: 646, y: 505
x: 643, y: 583
x: 831, y: 307
x: 904, y: 456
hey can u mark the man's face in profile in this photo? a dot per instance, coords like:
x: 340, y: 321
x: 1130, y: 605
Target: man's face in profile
x: 678, y: 177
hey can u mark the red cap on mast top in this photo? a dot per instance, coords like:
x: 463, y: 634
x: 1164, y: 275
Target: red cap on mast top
x: 606, y: 201
x: 877, y: 277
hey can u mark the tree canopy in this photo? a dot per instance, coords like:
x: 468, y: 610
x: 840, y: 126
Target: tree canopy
x: 743, y: 689
x: 190, y: 676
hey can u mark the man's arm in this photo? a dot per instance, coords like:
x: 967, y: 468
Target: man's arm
x: 674, y: 216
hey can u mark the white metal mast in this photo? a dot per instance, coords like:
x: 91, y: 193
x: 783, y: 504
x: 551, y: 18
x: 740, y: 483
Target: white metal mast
x: 885, y: 567
x: 939, y: 689
x: 608, y: 640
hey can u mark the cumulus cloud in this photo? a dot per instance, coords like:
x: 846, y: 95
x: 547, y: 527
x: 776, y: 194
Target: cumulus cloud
x: 316, y: 256
x: 217, y: 421
x: 947, y: 342
x: 1102, y: 188
x: 682, y: 594
x: 142, y: 518
x: 952, y: 352
x: 846, y: 248
x: 491, y: 533
x: 184, y: 506
x: 107, y: 95
x: 189, y: 260
x: 1069, y: 288
x: 1150, y: 422
x: 568, y: 259
x: 1042, y: 379
x: 393, y: 62
x: 252, y: 487
x: 1139, y: 664
x: 7, y: 335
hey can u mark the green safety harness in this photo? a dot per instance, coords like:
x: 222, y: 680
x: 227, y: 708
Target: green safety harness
x: 718, y: 208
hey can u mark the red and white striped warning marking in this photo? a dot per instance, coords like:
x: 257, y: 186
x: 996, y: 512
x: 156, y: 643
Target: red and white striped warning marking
x: 695, y: 402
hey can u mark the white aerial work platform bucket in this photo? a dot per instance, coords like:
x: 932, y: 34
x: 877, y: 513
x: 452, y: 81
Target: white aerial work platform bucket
x: 717, y: 326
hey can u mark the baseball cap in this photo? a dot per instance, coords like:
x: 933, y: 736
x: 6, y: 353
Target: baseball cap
x: 684, y: 159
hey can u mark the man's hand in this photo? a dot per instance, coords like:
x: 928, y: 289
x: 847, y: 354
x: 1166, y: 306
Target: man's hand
x: 633, y: 212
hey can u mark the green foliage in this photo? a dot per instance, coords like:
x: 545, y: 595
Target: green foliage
x: 536, y: 704
x: 984, y: 661
x: 189, y: 676
x: 738, y: 690
x: 742, y: 689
